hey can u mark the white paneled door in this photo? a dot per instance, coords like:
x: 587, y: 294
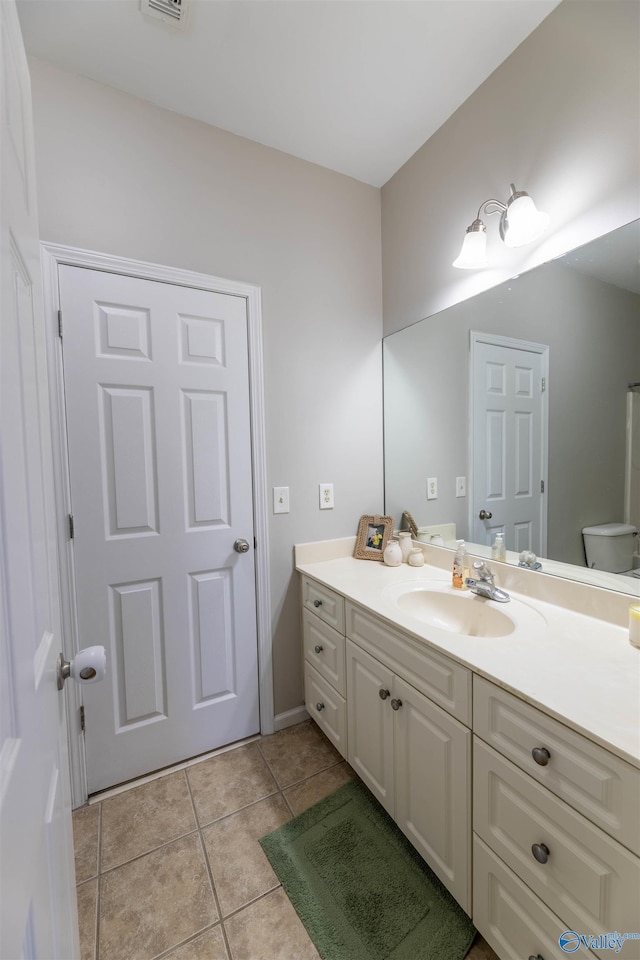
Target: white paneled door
x: 509, y: 440
x: 37, y: 883
x: 157, y: 404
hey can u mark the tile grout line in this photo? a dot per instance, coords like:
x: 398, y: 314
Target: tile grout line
x: 96, y: 951
x: 146, y: 853
x: 250, y: 903
x: 186, y: 941
x: 216, y: 898
x: 296, y: 783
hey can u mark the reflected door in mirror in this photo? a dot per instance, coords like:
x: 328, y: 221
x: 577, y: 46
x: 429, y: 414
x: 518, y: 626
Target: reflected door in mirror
x: 509, y: 441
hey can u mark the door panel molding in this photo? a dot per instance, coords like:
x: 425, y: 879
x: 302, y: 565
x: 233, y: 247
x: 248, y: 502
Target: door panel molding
x: 525, y: 388
x: 53, y: 255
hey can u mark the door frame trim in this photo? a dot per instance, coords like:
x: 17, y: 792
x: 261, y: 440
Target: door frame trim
x: 54, y: 255
x: 497, y: 340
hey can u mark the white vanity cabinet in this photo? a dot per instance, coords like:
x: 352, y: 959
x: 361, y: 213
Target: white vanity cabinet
x: 412, y: 754
x: 555, y: 833
x: 324, y: 661
x: 556, y: 821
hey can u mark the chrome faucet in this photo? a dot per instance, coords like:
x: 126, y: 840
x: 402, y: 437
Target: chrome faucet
x: 484, y: 583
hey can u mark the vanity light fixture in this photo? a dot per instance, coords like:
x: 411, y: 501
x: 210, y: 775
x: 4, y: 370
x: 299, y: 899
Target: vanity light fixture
x: 520, y: 222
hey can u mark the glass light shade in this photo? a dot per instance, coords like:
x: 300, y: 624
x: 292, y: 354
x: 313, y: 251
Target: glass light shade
x: 473, y: 254
x: 523, y: 222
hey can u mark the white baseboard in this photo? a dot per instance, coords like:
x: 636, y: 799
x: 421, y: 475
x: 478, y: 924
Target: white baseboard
x: 289, y: 718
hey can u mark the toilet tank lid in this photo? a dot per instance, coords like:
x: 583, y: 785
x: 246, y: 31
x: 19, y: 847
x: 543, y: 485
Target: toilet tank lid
x: 610, y: 530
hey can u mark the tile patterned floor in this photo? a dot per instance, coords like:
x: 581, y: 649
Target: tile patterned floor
x: 173, y: 869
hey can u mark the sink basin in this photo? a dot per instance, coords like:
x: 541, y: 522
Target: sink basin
x: 461, y: 612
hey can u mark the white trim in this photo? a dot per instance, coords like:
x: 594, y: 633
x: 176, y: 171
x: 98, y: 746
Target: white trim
x: 53, y: 255
x: 542, y: 349
x: 290, y: 717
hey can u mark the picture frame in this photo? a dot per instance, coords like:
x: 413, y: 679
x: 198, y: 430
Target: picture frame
x: 374, y: 533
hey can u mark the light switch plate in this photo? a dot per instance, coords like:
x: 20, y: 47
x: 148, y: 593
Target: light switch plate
x: 326, y: 496
x: 432, y: 488
x: 461, y: 486
x: 281, y: 499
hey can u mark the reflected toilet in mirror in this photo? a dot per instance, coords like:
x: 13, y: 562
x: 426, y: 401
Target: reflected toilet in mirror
x: 611, y: 547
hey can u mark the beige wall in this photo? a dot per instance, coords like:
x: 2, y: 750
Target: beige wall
x: 560, y: 118
x: 120, y: 176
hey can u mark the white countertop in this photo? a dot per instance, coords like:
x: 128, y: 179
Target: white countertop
x: 580, y: 669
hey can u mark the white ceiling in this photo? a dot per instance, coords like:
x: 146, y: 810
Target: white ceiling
x: 354, y: 85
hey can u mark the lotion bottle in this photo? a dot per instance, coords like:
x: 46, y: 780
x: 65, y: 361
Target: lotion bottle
x: 498, y: 551
x: 460, y: 566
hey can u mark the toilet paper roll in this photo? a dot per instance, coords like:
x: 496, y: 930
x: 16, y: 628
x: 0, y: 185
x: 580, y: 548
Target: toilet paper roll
x: 89, y: 665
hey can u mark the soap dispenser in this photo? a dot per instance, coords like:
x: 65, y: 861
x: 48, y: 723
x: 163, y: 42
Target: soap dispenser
x: 460, y: 566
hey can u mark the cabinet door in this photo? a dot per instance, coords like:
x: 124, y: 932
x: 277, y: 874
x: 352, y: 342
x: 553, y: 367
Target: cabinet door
x: 324, y: 649
x: 370, y: 723
x: 326, y: 707
x: 432, y: 787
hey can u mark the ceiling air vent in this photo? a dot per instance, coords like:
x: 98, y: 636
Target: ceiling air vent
x: 173, y: 12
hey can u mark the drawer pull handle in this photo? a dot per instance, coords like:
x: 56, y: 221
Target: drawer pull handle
x: 317, y: 603
x: 541, y: 756
x: 318, y: 648
x: 383, y: 694
x: 396, y: 704
x: 536, y: 958
x: 319, y: 707
x: 540, y: 852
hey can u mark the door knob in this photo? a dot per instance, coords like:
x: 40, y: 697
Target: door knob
x: 396, y: 704
x: 541, y: 756
x: 383, y: 694
x: 485, y: 515
x: 88, y: 666
x: 241, y: 546
x: 541, y: 852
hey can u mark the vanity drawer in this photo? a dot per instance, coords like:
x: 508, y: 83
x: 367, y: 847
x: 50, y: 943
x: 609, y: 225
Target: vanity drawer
x: 326, y: 604
x: 324, y: 649
x: 442, y: 680
x: 326, y: 707
x: 509, y: 916
x: 590, y: 880
x: 598, y: 784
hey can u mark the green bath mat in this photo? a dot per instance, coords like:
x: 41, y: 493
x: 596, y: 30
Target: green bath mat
x: 359, y: 887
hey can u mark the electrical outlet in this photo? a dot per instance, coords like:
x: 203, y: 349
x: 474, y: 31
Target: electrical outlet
x: 281, y: 499
x: 326, y: 496
x: 432, y: 488
x: 461, y: 486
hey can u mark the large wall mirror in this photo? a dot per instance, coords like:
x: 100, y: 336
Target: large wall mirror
x: 570, y: 329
